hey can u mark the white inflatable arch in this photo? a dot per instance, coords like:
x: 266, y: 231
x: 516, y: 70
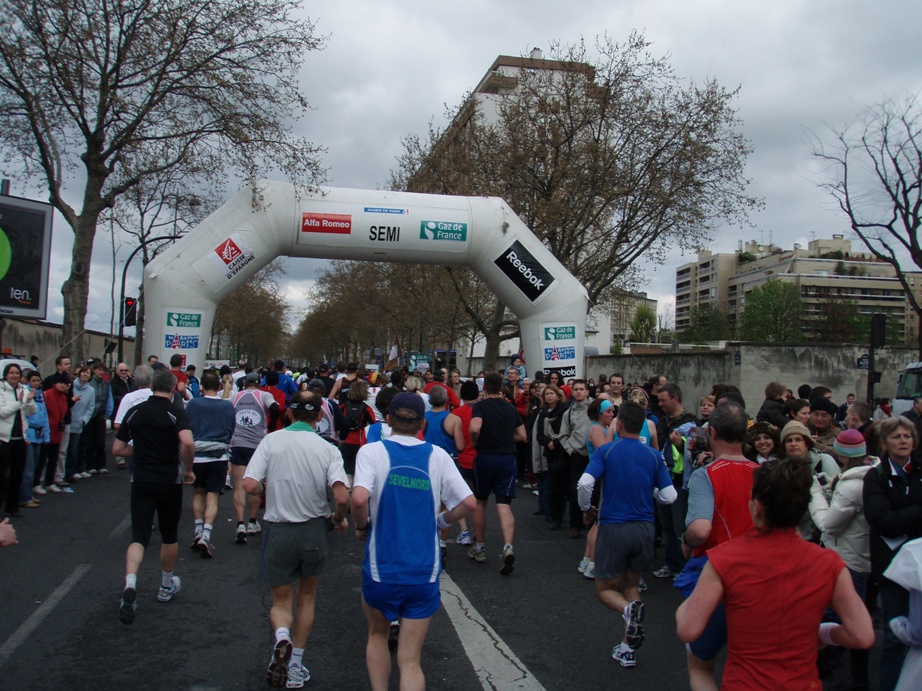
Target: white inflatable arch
x: 185, y: 284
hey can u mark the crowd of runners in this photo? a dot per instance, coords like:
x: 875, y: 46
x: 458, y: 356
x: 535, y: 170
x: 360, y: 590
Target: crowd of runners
x: 778, y: 528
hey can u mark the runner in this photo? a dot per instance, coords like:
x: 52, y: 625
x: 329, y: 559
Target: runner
x: 163, y: 451
x: 294, y: 468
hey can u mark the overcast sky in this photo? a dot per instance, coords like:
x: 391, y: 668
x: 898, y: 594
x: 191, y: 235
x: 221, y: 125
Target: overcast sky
x: 390, y: 66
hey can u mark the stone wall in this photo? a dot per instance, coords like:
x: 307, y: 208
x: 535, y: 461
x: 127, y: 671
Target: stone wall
x: 751, y: 366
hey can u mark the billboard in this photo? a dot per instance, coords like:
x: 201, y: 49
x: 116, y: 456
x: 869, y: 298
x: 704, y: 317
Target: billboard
x: 558, y: 348
x: 25, y: 256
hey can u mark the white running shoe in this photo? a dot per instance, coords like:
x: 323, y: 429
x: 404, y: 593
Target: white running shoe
x: 624, y: 655
x: 166, y: 594
x: 297, y: 676
x: 583, y: 563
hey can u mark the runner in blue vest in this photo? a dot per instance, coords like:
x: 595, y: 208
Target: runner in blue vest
x: 399, y: 486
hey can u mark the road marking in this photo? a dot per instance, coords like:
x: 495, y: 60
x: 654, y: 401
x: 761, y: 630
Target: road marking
x: 38, y: 616
x: 121, y: 527
x: 495, y: 664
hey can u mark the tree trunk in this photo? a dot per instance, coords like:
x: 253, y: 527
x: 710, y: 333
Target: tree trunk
x: 493, y: 336
x: 76, y: 289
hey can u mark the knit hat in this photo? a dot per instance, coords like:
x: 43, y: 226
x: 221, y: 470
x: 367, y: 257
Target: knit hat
x: 766, y: 428
x: 823, y: 404
x: 794, y: 427
x: 850, y: 444
x: 469, y: 391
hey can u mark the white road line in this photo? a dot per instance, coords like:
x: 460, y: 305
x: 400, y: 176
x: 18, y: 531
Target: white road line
x: 495, y: 664
x: 38, y: 616
x: 121, y: 527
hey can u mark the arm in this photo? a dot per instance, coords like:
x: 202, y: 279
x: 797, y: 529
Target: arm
x: 666, y: 495
x: 474, y: 431
x: 457, y: 431
x: 360, y: 497
x: 654, y: 440
x: 584, y: 491
x: 252, y: 486
x: 599, y: 437
x: 697, y: 532
x: 467, y: 505
x: 121, y: 448
x: 341, y: 497
x: 833, y: 518
x: 692, y: 615
x: 520, y: 434
x: 856, y: 630
x: 187, y: 453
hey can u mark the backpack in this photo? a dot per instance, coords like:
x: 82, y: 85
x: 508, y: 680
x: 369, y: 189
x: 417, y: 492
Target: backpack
x: 355, y: 415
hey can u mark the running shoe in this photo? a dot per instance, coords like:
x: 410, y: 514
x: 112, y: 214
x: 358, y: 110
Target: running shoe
x: 589, y: 573
x: 68, y: 490
x: 508, y: 561
x: 297, y: 675
x: 633, y: 616
x: 254, y: 528
x: 62, y: 483
x: 166, y: 594
x: 76, y: 477
x: 197, y: 539
x: 91, y: 472
x: 478, y: 555
x: 664, y: 572
x: 624, y: 655
x: 120, y: 464
x: 277, y: 674
x: 241, y: 534
x: 39, y: 490
x: 642, y: 586
x: 54, y: 489
x: 465, y: 538
x: 583, y: 563
x: 205, y: 549
x: 86, y: 474
x: 103, y: 471
x: 127, y: 608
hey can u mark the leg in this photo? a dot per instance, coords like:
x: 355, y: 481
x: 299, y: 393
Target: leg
x: 608, y: 590
x: 701, y: 674
x: 578, y: 465
x: 590, y: 541
x: 211, y: 507
x: 198, y: 503
x: 304, y: 614
x: 17, y: 465
x: 506, y: 521
x: 480, y: 521
x: 240, y: 497
x: 133, y: 558
x: 61, y: 463
x: 280, y: 616
x: 412, y: 635
x: 377, y: 655
x: 168, y: 556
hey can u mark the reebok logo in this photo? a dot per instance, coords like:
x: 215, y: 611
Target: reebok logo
x: 524, y: 270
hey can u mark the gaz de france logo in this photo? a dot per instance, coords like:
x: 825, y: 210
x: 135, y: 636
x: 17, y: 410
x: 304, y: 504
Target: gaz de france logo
x: 559, y: 333
x: 442, y: 230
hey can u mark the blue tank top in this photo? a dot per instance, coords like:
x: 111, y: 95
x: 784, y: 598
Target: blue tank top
x: 435, y: 433
x: 589, y: 445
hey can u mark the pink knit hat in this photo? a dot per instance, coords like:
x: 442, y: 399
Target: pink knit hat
x: 850, y: 444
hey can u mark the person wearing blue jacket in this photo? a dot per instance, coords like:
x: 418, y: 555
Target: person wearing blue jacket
x: 37, y: 435
x: 80, y: 414
x: 95, y: 430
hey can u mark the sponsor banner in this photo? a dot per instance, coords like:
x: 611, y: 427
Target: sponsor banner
x: 560, y: 353
x: 564, y: 372
x: 524, y: 271
x: 184, y: 320
x: 385, y: 210
x: 558, y: 347
x: 443, y: 230
x: 180, y: 341
x: 337, y: 224
x: 25, y: 255
x: 234, y: 254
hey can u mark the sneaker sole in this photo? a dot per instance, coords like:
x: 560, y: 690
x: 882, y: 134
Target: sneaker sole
x: 241, y: 539
x: 205, y: 550
x: 508, y: 565
x: 624, y: 662
x: 634, y: 635
x: 480, y: 559
x: 173, y: 592
x: 126, y: 609
x: 277, y: 674
x: 299, y: 684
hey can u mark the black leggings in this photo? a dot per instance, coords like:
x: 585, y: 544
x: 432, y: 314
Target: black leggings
x: 12, y: 464
x: 166, y: 501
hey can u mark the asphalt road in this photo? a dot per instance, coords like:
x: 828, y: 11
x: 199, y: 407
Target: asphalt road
x: 60, y: 588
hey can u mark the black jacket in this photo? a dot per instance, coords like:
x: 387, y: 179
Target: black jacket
x: 893, y: 509
x: 773, y: 411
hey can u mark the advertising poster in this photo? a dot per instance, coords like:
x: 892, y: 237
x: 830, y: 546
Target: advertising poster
x: 558, y: 348
x: 25, y: 256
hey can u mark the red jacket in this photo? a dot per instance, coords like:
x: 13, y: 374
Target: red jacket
x: 56, y: 404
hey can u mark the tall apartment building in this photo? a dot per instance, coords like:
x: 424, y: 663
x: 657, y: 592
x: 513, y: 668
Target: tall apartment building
x: 826, y: 269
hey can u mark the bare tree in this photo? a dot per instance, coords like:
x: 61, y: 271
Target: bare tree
x: 876, y: 179
x: 106, y: 93
x: 606, y: 157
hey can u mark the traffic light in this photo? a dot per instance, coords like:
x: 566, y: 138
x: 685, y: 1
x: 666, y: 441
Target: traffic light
x: 130, y: 312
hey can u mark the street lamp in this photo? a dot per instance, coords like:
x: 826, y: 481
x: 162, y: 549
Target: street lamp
x: 121, y: 313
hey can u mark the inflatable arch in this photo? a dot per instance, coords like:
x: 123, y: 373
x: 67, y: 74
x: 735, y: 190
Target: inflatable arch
x: 184, y: 285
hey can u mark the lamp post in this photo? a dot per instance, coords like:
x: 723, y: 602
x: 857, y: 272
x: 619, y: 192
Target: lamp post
x: 121, y: 312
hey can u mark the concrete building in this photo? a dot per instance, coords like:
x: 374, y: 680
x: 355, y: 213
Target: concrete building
x: 826, y: 269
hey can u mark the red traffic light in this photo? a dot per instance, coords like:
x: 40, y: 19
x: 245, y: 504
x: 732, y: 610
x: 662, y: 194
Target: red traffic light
x: 130, y: 312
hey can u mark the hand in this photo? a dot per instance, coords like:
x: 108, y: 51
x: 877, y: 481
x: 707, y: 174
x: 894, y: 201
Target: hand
x: 340, y: 527
x: 675, y: 438
x: 704, y: 458
x: 687, y: 551
x: 7, y: 534
x: 31, y: 394
x: 591, y: 515
x: 188, y: 477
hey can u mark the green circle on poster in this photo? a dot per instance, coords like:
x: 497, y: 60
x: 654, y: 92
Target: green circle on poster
x: 6, y: 254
